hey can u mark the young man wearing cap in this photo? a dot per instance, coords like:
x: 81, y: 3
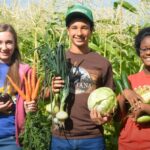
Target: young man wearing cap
x: 83, y: 130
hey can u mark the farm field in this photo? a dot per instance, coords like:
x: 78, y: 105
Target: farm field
x: 116, y: 25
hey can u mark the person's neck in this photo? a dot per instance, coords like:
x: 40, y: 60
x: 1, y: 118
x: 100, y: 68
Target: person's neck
x: 147, y: 70
x: 80, y: 50
x: 4, y: 62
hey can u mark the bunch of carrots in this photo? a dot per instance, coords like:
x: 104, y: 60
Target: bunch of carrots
x: 32, y: 85
x: 36, y: 133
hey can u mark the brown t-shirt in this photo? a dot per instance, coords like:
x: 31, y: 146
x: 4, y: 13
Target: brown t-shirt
x: 89, y: 72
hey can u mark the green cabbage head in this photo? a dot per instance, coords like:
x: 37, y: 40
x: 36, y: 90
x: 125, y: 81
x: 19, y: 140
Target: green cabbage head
x: 103, y: 100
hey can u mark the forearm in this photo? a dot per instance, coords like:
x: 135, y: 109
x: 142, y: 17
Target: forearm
x: 121, y: 106
x: 131, y: 96
x: 146, y: 108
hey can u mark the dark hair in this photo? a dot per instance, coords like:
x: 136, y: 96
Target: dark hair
x: 139, y: 37
x: 77, y: 16
x: 13, y: 71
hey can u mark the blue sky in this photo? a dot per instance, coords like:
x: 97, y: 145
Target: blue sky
x: 133, y: 2
x: 106, y: 2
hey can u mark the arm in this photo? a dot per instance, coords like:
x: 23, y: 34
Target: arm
x: 131, y: 96
x: 128, y: 99
x: 145, y: 108
x: 121, y: 111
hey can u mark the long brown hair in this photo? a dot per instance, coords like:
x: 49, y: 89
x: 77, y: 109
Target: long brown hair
x: 13, y: 71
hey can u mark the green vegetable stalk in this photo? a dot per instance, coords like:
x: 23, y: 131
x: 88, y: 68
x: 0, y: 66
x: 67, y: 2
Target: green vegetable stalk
x: 56, y: 64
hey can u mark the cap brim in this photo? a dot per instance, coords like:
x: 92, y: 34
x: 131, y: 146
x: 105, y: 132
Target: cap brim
x: 75, y: 15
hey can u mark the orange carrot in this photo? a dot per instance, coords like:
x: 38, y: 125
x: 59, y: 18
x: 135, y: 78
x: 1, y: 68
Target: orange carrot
x: 33, y: 77
x: 35, y: 92
x: 29, y: 83
x: 20, y: 92
x: 47, y: 93
x: 26, y: 89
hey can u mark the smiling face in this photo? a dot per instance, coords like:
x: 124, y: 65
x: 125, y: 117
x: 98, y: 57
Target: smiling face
x: 145, y: 51
x: 7, y: 46
x: 79, y: 32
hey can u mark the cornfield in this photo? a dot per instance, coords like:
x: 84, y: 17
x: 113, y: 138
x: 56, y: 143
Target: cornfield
x: 115, y: 28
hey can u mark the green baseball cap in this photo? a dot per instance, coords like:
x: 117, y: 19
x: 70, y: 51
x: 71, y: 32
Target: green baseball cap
x: 79, y: 10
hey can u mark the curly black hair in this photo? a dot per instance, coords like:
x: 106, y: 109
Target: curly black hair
x: 139, y: 37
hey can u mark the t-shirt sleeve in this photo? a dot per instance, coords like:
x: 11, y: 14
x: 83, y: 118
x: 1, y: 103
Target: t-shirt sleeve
x: 108, y: 78
x: 130, y: 80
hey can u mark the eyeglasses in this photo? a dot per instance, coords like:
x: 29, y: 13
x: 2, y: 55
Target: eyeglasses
x: 144, y: 49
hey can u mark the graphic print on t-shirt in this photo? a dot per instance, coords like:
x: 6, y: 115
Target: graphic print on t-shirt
x: 80, y: 80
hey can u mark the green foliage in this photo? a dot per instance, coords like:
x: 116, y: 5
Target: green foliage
x: 40, y: 23
x: 37, y: 133
x: 111, y: 133
x: 118, y: 48
x: 125, y: 5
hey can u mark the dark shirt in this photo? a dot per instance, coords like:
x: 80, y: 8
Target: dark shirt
x: 89, y: 72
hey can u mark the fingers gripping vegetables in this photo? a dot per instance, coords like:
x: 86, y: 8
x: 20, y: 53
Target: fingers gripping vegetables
x: 144, y: 92
x: 103, y: 100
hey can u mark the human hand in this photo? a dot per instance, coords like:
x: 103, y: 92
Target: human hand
x: 131, y: 96
x: 137, y: 110
x: 5, y: 107
x: 98, y: 118
x: 30, y: 106
x: 57, y: 84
